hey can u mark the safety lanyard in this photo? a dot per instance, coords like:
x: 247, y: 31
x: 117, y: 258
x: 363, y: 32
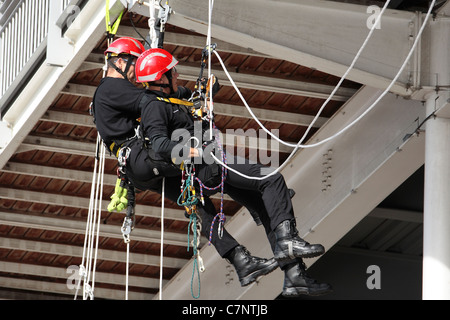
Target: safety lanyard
x: 112, y: 30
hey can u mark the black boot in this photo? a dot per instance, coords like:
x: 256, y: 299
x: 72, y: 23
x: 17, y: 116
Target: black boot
x: 298, y: 282
x: 290, y: 246
x: 249, y: 268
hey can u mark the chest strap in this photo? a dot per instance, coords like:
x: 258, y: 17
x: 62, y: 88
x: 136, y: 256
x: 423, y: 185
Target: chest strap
x: 176, y: 101
x: 194, y: 108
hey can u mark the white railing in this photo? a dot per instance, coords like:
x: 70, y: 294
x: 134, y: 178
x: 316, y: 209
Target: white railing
x: 23, y: 38
x: 22, y: 34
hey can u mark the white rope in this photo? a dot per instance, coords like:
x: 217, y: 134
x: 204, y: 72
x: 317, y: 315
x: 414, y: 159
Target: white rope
x: 350, y: 68
x: 99, y: 206
x: 94, y: 203
x: 91, y: 241
x: 82, y: 270
x: 151, y: 24
x: 161, y: 258
x: 297, y: 146
x: 208, y: 46
x: 126, y: 270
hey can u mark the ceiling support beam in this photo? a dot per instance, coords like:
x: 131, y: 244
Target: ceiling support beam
x: 396, y: 214
x: 189, y: 72
x: 75, y: 251
x: 61, y: 288
x: 219, y: 109
x: 290, y: 30
x: 83, y: 203
x: 445, y: 9
x: 191, y: 41
x: 79, y: 227
x: 248, y: 139
x: 66, y: 174
x: 61, y: 273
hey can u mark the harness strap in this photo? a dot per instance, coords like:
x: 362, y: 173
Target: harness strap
x: 115, y: 147
x: 176, y: 101
x: 112, y: 29
x: 195, y: 107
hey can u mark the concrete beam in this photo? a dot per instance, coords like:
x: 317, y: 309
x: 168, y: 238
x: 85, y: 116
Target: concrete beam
x: 189, y: 72
x: 289, y: 30
x: 61, y: 288
x: 75, y: 251
x: 83, y: 203
x: 61, y: 273
x: 79, y: 227
x: 230, y: 139
x: 219, y: 109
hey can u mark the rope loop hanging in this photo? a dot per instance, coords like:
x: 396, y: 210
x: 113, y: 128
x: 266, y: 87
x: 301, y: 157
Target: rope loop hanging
x: 195, y: 227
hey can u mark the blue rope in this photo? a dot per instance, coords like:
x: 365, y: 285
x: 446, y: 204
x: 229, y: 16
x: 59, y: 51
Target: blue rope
x: 187, y: 198
x: 193, y: 220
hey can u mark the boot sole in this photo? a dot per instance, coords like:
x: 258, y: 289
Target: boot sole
x: 252, y: 277
x: 281, y: 256
x: 297, y: 291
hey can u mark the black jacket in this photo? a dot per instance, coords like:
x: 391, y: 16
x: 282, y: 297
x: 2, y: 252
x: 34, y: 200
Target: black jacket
x: 116, y: 109
x: 160, y: 120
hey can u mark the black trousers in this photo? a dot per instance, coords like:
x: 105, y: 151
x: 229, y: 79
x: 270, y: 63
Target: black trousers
x: 269, y: 197
x: 271, y: 194
x: 142, y: 177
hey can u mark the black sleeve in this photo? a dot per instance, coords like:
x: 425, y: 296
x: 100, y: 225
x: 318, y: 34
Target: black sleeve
x: 182, y: 93
x: 156, y: 117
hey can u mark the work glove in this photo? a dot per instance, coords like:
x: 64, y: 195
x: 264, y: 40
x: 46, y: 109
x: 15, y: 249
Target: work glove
x: 119, y: 199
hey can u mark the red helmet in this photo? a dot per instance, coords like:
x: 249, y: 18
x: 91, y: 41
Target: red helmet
x: 125, y: 45
x: 152, y: 64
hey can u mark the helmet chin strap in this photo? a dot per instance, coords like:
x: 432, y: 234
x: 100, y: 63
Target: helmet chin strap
x: 166, y: 85
x: 122, y: 73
